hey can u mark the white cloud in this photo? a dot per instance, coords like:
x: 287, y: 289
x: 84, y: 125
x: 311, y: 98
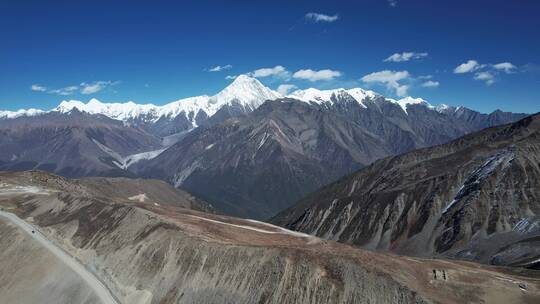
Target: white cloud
x: 485, y: 72
x: 321, y: 17
x: 38, y: 88
x: 219, y: 68
x: 392, y: 3
x: 96, y: 86
x: 507, y: 67
x: 277, y: 71
x: 83, y: 88
x: 231, y: 77
x: 284, y: 89
x: 405, y: 56
x: 391, y: 79
x: 430, y: 84
x: 488, y: 77
x: 65, y: 91
x: 469, y: 66
x: 312, y: 75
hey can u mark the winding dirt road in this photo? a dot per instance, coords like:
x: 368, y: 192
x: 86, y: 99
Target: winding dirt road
x: 99, y: 288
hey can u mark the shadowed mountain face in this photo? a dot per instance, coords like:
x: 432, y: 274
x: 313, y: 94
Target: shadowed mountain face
x: 254, y: 166
x: 71, y: 144
x: 475, y: 198
x: 259, y: 164
x: 147, y: 251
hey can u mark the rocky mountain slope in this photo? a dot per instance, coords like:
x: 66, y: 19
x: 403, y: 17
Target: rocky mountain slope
x: 259, y: 164
x: 73, y: 144
x: 475, y: 198
x: 145, y: 253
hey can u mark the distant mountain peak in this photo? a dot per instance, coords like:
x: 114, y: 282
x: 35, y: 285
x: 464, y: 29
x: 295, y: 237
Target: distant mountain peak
x: 322, y: 96
x: 247, y: 91
x: 20, y: 113
x: 243, y: 79
x: 68, y: 105
x: 405, y: 102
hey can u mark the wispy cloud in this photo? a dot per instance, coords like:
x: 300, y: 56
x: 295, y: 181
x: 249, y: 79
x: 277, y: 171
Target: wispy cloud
x: 284, y: 89
x: 38, y: 88
x: 467, y: 67
x: 311, y: 75
x: 430, y: 84
x: 281, y: 73
x: 530, y: 67
x: 391, y: 79
x: 277, y: 71
x: 84, y: 88
x: 392, y: 3
x: 316, y: 17
x: 488, y: 77
x: 219, y: 68
x: 70, y: 90
x: 96, y: 86
x: 507, y: 67
x: 485, y: 72
x: 231, y: 77
x: 405, y: 56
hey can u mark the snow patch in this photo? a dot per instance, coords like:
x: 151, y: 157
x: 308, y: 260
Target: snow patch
x: 135, y: 158
x: 181, y: 176
x: 480, y: 174
x: 118, y: 159
x: 526, y: 225
x: 125, y: 162
x: 141, y: 198
x: 280, y: 229
x: 6, y: 189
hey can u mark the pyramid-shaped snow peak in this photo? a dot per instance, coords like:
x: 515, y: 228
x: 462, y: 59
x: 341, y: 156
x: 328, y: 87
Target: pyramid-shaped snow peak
x: 247, y: 91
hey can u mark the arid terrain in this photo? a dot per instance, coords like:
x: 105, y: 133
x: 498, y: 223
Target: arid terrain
x: 148, y: 251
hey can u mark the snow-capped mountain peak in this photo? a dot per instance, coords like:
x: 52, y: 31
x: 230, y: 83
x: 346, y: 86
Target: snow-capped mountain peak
x: 20, y: 113
x: 68, y: 105
x: 120, y: 111
x: 314, y: 95
x: 325, y: 96
x: 246, y: 91
x: 405, y: 102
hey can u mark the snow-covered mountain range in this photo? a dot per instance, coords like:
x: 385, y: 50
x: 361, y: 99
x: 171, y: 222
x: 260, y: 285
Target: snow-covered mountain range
x: 248, y: 92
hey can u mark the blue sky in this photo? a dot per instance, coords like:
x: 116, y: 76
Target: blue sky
x: 160, y: 51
